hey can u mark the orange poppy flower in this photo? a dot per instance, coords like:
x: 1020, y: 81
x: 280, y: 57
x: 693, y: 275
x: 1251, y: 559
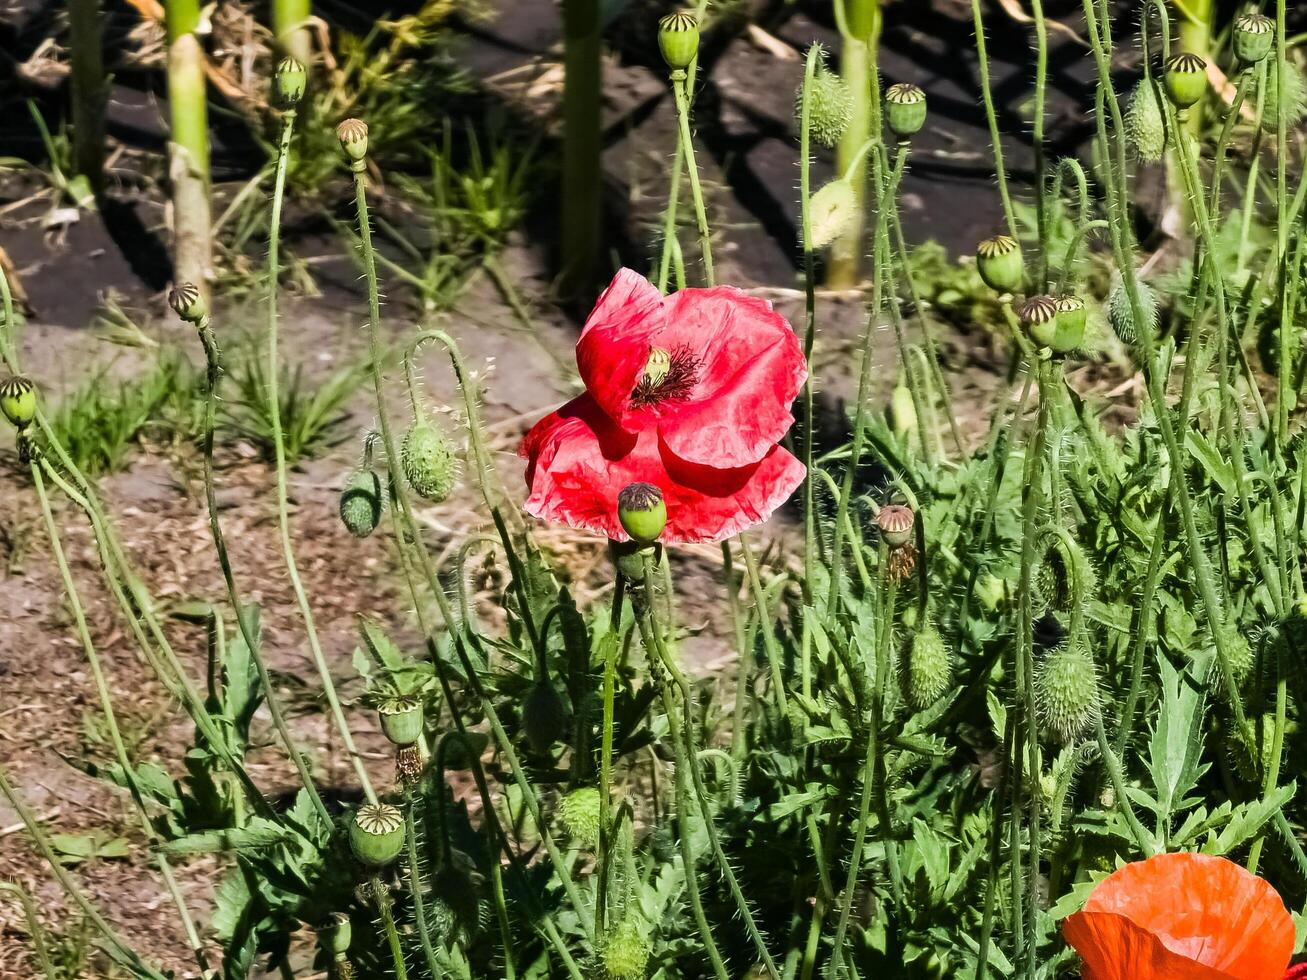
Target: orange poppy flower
x: 1182, y: 917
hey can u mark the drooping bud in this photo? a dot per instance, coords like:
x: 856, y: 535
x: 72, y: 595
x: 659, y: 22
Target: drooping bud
x: 361, y: 503
x: 929, y: 669
x: 1145, y: 123
x: 289, y: 83
x: 1121, y: 315
x: 428, y: 461
x: 1072, y: 315
x: 18, y: 400
x: 1185, y: 79
x: 832, y: 211
x: 1039, y: 314
x: 642, y: 511
x: 579, y: 813
x: 376, y: 834
x: 1066, y: 692
x: 626, y: 949
x: 905, y: 110
x: 544, y: 717
x: 902, y: 410
x: 353, y: 136
x: 1293, y: 102
x: 401, y: 719
x: 678, y: 39
x: 830, y: 105
x: 895, y: 522
x: 1254, y: 36
x: 456, y: 905
x: 1000, y: 263
x: 187, y: 302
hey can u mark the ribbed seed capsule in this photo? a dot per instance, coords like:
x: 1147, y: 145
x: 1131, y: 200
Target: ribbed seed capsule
x: 1000, y: 263
x: 642, y: 512
x: 905, y: 109
x: 353, y: 136
x: 401, y: 719
x: 678, y: 39
x: 187, y: 302
x: 18, y: 400
x: 1254, y: 36
x: 1039, y: 314
x: 289, y: 83
x: 376, y: 834
x: 1072, y: 315
x: 1185, y: 79
x: 895, y: 523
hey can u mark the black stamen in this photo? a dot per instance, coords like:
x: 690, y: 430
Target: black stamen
x: 675, y: 385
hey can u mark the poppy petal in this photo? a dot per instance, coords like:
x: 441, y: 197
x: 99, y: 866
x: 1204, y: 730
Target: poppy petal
x: 579, y: 460
x: 750, y: 367
x: 1114, y: 948
x: 614, y: 346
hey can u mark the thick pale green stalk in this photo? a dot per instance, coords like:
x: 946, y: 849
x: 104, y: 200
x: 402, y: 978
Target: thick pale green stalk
x: 681, y: 89
x: 860, y: 23
x: 279, y: 451
x: 582, y: 170
x: 188, y: 146
x: 89, y: 90
x: 290, y: 26
x: 809, y: 341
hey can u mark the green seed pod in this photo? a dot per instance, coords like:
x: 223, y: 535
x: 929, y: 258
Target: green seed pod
x: 929, y: 668
x: 1000, y: 263
x: 1061, y: 565
x: 1039, y: 314
x: 1072, y: 315
x: 544, y: 717
x: 642, y: 511
x: 902, y: 410
x: 18, y: 400
x: 832, y: 211
x: 1185, y: 79
x: 1294, y: 102
x: 187, y: 302
x: 895, y: 522
x: 579, y: 813
x: 289, y: 83
x: 905, y: 110
x: 1240, y: 655
x: 376, y: 834
x: 1121, y: 315
x: 1145, y: 123
x: 1066, y: 692
x: 678, y: 39
x: 428, y: 461
x: 361, y: 503
x: 830, y: 106
x: 401, y: 719
x: 335, y: 935
x: 353, y: 136
x: 1254, y: 36
x: 626, y: 949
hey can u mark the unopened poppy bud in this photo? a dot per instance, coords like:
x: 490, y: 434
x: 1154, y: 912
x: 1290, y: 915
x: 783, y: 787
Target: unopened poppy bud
x: 1039, y: 314
x: 1072, y: 315
x: 544, y: 717
x: 290, y: 81
x: 428, y: 461
x: 990, y: 590
x: 1000, y: 263
x: 832, y: 211
x: 401, y: 719
x: 929, y: 670
x: 18, y: 400
x: 1145, y: 123
x: 579, y: 813
x: 895, y: 524
x: 1066, y: 692
x: 1254, y: 36
x: 187, y: 302
x: 642, y: 511
x: 905, y: 109
x: 830, y: 105
x: 1292, y: 103
x: 361, y: 503
x: 678, y: 39
x: 353, y: 136
x: 376, y: 834
x: 902, y: 410
x: 1185, y: 79
x: 626, y: 949
x: 1121, y: 313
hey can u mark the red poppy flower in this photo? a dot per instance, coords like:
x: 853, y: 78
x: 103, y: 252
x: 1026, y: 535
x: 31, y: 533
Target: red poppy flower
x: 689, y: 392
x: 1182, y: 917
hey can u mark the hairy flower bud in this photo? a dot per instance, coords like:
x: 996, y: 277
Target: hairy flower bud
x: 832, y: 211
x: 376, y: 834
x: 1145, y: 123
x: 1066, y: 692
x: 830, y: 105
x: 929, y: 668
x: 1293, y: 102
x: 428, y: 461
x: 1121, y: 314
x: 579, y: 813
x: 544, y: 717
x: 626, y: 949
x: 361, y: 503
x: 905, y: 109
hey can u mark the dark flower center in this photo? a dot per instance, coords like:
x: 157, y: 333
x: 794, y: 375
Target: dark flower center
x: 668, y: 376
